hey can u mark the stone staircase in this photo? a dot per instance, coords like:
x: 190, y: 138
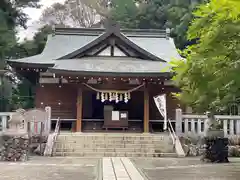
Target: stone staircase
x: 113, y: 145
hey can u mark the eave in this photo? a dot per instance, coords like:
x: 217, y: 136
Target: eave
x: 110, y: 74
x: 16, y: 64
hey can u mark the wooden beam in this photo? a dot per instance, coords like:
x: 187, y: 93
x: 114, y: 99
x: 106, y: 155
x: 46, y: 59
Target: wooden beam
x: 146, y: 111
x: 79, y: 111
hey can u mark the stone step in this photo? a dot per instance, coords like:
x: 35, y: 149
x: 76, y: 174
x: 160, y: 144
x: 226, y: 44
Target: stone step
x: 103, y: 145
x: 115, y: 145
x: 96, y: 146
x: 149, y: 150
x: 113, y: 139
x: 76, y: 134
x: 79, y: 141
x: 87, y: 137
x: 114, y: 154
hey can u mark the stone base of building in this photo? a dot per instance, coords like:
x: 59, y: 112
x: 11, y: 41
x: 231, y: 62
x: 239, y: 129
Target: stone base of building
x: 14, y: 147
x: 216, y: 150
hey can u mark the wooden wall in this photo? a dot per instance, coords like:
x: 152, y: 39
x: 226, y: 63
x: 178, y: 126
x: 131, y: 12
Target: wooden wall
x: 51, y: 95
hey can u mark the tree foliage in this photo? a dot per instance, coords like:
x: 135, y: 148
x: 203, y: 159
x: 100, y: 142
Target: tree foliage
x: 34, y: 46
x: 73, y: 13
x: 157, y: 14
x: 11, y: 17
x: 209, y: 75
x: 22, y: 96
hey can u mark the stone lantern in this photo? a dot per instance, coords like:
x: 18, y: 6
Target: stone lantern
x: 216, y: 145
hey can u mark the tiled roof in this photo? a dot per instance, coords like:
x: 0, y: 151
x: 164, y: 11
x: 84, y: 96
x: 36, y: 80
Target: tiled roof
x: 66, y: 41
x: 111, y: 65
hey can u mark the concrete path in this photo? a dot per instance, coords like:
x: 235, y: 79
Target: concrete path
x: 119, y: 169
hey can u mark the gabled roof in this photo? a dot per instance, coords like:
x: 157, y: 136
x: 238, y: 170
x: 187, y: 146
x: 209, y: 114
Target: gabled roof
x: 66, y: 43
x: 112, y: 33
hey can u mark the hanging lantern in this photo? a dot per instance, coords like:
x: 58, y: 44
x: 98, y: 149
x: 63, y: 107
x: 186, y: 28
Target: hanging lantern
x: 98, y: 96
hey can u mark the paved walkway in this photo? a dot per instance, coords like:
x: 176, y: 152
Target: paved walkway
x: 73, y: 168
x: 119, y: 169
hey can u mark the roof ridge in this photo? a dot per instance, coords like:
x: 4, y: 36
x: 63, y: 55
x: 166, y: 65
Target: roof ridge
x: 98, y: 31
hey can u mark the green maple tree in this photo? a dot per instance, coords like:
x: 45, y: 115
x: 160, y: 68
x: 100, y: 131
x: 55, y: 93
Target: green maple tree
x: 208, y: 76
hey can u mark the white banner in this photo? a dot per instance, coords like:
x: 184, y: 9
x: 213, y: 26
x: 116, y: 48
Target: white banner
x: 160, y: 102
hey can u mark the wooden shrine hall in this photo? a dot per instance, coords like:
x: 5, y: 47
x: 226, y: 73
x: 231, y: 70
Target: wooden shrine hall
x: 103, y: 79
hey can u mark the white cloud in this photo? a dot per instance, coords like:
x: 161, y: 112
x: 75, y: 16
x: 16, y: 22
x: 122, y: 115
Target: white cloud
x: 34, y: 15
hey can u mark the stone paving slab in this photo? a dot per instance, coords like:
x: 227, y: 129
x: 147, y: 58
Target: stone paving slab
x: 117, y: 168
x: 187, y: 169
x: 48, y: 168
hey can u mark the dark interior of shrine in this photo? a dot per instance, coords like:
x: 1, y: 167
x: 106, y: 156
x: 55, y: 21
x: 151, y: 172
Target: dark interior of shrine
x: 93, y: 114
x: 94, y: 108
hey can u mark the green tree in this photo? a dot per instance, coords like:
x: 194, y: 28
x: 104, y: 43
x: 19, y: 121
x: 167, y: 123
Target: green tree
x: 34, y: 46
x: 209, y: 77
x: 22, y: 96
x: 157, y: 14
x: 151, y: 14
x: 179, y: 17
x: 11, y: 17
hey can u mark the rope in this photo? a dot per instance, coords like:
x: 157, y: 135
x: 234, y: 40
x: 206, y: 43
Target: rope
x: 114, y: 91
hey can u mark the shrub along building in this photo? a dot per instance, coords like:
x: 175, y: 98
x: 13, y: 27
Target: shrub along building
x: 103, y: 78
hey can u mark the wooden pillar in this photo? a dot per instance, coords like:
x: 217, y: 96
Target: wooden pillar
x: 146, y: 110
x: 79, y: 111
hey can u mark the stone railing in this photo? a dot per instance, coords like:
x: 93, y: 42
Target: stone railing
x: 4, y: 117
x: 197, y: 124
x: 35, y: 127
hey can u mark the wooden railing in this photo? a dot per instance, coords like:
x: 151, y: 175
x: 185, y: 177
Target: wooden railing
x: 197, y: 124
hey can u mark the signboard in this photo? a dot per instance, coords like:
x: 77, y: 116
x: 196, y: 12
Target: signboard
x: 115, y: 115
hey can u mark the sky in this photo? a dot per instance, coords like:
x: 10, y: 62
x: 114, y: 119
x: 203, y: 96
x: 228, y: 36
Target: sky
x: 34, y: 15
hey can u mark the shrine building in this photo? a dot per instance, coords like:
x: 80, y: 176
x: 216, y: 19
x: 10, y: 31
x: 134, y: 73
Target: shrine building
x: 103, y: 79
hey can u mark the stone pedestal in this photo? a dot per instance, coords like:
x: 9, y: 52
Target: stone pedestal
x: 216, y: 146
x: 216, y: 150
